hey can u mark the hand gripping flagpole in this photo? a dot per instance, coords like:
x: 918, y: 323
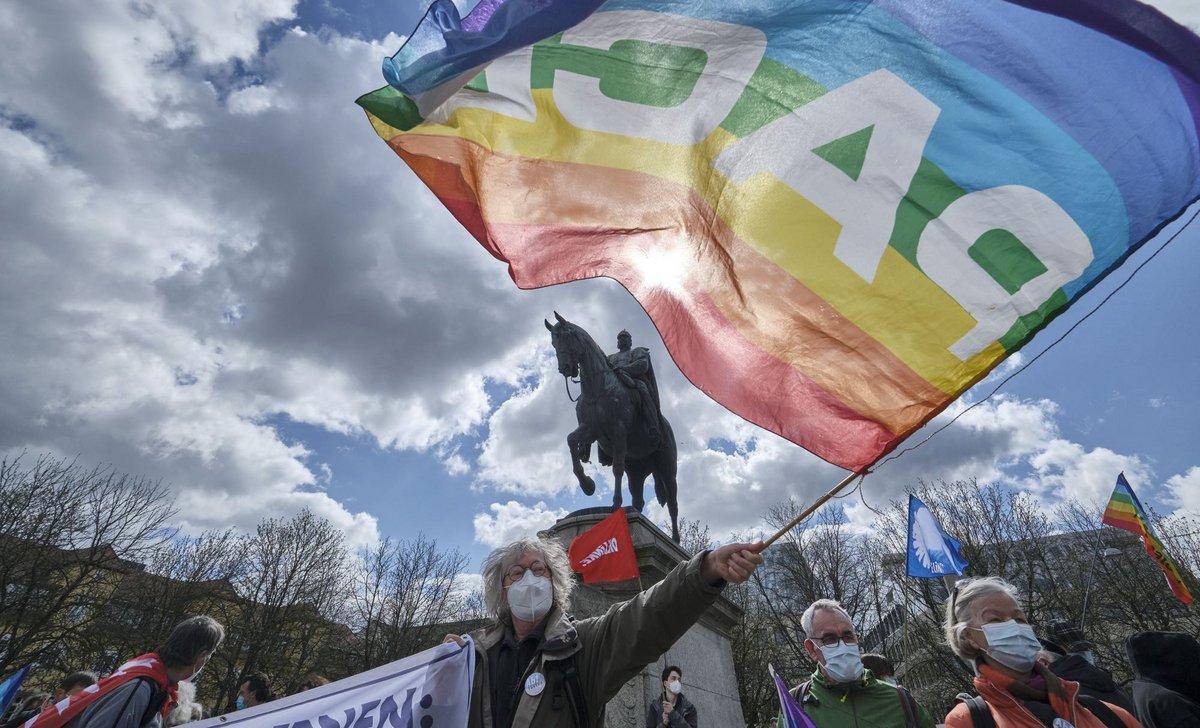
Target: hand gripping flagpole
x: 813, y: 508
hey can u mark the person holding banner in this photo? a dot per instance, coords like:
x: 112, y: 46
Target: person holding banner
x: 986, y: 626
x: 538, y: 668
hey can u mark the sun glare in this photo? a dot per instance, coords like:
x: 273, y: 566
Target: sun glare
x: 663, y: 267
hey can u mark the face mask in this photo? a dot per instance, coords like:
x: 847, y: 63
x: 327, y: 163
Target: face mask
x: 843, y: 663
x: 1011, y: 644
x: 240, y: 703
x: 890, y: 681
x: 531, y: 597
x: 675, y: 686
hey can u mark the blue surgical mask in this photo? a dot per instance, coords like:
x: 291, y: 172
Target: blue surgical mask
x: 1012, y: 644
x: 843, y: 662
x: 240, y: 703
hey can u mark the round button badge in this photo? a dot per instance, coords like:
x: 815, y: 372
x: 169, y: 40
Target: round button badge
x: 535, y: 684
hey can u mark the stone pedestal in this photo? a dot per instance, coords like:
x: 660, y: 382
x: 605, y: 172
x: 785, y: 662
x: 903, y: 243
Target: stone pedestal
x: 703, y: 653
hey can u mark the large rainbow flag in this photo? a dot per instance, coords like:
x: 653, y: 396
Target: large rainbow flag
x: 840, y: 215
x: 1125, y: 512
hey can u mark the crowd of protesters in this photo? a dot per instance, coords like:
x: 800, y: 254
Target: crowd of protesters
x: 1020, y: 679
x: 153, y: 690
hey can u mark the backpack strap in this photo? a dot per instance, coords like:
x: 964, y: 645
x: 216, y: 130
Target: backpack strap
x: 1100, y: 709
x: 158, y: 700
x: 910, y: 707
x: 575, y: 694
x: 801, y: 692
x: 981, y: 714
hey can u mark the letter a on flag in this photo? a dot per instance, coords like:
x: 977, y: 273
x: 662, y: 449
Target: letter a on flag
x: 605, y: 551
x: 931, y: 551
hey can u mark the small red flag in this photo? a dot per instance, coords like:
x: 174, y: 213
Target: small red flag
x: 604, y: 552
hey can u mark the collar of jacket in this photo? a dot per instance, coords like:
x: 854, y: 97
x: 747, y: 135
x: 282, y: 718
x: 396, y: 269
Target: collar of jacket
x: 843, y: 690
x: 560, y: 640
x: 996, y: 687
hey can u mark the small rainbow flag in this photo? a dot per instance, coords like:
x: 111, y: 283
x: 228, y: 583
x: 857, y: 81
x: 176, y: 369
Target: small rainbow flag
x: 1125, y: 512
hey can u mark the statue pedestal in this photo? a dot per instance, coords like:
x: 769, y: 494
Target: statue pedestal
x: 703, y: 653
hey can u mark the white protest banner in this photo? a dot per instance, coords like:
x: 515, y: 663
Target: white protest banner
x: 431, y: 689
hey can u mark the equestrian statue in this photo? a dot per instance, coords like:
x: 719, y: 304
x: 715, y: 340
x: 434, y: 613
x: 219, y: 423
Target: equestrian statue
x: 619, y: 410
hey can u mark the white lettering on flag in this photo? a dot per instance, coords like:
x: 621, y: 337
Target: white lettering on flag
x: 431, y: 689
x: 608, y: 547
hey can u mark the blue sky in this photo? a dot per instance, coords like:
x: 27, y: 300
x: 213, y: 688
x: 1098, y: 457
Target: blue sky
x: 215, y: 274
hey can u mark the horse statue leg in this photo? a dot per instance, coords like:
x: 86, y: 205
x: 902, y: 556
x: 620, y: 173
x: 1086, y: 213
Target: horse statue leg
x: 618, y: 466
x: 578, y: 444
x: 637, y: 486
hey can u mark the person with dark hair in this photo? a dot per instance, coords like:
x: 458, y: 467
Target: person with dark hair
x: 73, y: 683
x: 310, y: 681
x: 30, y: 707
x: 1077, y: 663
x: 671, y: 708
x: 254, y: 690
x: 1166, y: 678
x: 880, y: 666
x: 140, y: 693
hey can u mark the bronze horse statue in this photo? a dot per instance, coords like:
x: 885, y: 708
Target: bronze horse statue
x: 608, y: 414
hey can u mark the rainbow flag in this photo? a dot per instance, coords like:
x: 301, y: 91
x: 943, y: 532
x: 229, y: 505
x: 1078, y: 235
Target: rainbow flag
x: 840, y: 215
x: 1125, y: 512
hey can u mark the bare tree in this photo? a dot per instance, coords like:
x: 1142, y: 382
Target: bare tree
x: 404, y: 593
x: 68, y: 537
x: 293, y: 593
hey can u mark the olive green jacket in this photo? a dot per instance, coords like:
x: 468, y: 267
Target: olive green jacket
x: 608, y: 650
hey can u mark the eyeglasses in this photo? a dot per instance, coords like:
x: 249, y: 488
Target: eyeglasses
x: 516, y: 571
x: 954, y: 596
x: 829, y: 640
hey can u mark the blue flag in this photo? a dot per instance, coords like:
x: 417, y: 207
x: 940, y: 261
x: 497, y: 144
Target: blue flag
x: 8, y: 688
x: 931, y: 552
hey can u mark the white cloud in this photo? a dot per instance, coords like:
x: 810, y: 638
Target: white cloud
x: 1184, y: 12
x: 512, y: 520
x: 200, y: 236
x: 1184, y: 491
x: 173, y: 288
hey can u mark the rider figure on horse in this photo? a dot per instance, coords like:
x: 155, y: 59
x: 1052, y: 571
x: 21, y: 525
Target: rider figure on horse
x: 633, y: 368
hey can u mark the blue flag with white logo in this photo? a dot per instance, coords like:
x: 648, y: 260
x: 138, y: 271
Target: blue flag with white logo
x: 931, y: 551
x: 8, y: 688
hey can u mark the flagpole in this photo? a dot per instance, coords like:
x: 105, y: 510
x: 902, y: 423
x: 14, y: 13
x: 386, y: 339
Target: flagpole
x: 907, y: 611
x: 811, y: 509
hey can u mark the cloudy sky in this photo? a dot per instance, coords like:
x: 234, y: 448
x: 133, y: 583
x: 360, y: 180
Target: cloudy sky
x: 213, y: 273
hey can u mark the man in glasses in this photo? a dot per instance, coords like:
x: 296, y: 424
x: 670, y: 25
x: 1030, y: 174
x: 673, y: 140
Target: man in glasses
x: 842, y: 692
x: 536, y: 667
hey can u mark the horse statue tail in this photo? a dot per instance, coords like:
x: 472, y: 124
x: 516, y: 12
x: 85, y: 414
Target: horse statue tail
x: 665, y: 488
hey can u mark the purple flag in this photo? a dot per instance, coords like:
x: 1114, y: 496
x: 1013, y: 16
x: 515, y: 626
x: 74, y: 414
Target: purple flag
x: 793, y: 715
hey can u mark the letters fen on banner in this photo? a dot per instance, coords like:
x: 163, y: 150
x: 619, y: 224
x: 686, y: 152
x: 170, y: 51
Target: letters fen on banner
x: 854, y: 253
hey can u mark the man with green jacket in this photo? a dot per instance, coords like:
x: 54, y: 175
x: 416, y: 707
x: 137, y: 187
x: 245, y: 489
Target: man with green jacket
x: 536, y: 667
x: 842, y: 693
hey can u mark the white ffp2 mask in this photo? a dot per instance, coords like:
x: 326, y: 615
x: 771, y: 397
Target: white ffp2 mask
x: 530, y: 597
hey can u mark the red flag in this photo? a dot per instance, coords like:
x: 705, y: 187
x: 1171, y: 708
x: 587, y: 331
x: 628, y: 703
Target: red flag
x: 605, y: 551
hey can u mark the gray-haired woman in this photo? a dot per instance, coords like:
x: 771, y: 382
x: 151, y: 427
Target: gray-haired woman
x: 986, y: 626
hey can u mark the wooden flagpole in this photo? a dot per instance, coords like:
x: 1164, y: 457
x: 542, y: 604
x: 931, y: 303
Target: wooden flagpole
x: 812, y: 509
